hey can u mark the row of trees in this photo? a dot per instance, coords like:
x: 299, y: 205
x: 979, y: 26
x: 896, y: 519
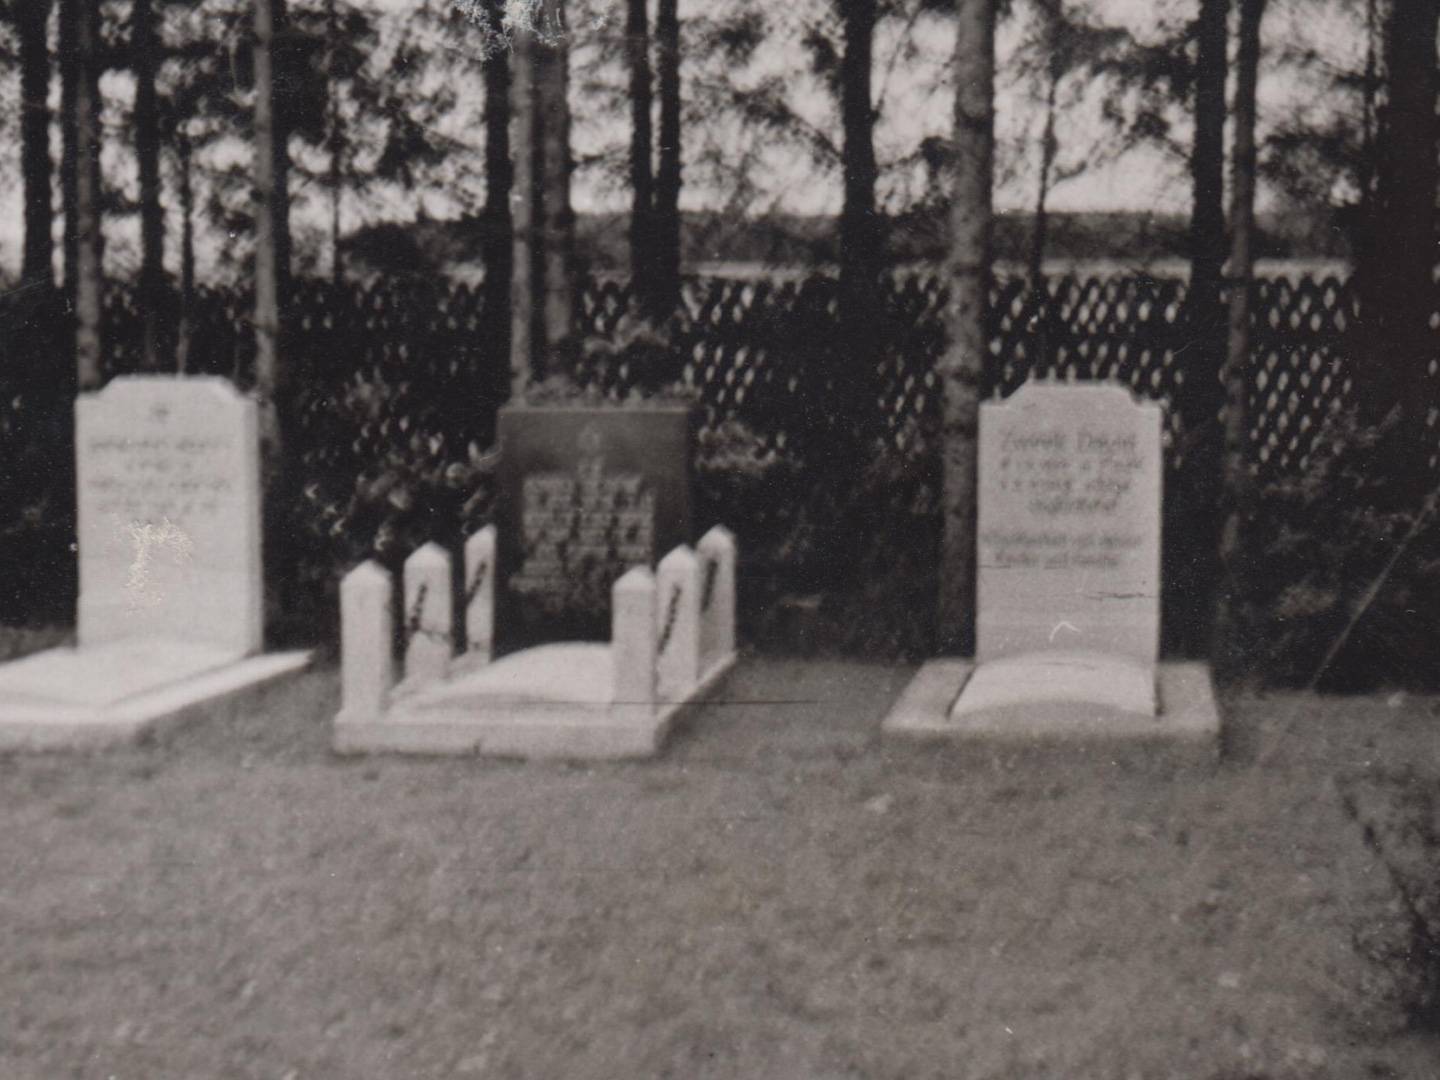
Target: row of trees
x: 335, y: 94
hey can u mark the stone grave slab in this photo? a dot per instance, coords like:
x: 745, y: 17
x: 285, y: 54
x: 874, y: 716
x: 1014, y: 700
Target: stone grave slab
x: 169, y: 615
x: 585, y: 493
x: 1067, y: 583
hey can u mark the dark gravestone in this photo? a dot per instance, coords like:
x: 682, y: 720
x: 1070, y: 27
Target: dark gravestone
x: 585, y: 494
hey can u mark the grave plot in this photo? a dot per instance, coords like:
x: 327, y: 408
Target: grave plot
x: 672, y: 639
x: 1068, y: 584
x: 169, y: 620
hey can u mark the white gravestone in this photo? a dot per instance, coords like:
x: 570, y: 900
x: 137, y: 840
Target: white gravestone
x: 168, y: 479
x: 1068, y: 551
x: 1069, y: 522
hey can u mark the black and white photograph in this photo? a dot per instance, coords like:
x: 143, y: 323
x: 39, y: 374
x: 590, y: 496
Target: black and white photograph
x: 643, y: 539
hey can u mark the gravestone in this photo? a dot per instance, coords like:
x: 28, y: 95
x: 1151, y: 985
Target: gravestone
x: 1067, y: 583
x: 1068, y: 553
x: 169, y: 616
x: 168, y: 482
x: 585, y: 494
x: 1068, y: 548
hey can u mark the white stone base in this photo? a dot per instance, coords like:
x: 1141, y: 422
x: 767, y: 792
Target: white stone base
x: 1187, y: 715
x: 554, y: 701
x: 105, y: 695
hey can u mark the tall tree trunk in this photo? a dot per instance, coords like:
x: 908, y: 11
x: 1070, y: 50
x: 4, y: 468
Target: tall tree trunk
x: 1190, y: 553
x: 1368, y: 91
x: 36, y: 270
x: 666, y: 280
x: 1053, y: 16
x: 1049, y: 147
x: 1398, y: 295
x: 499, y: 184
x: 272, y: 234
x: 642, y: 180
x: 853, y: 364
x: 335, y: 142
x: 527, y: 281
x: 1207, y: 231
x: 859, y: 230
x: 69, y: 55
x: 147, y: 156
x: 274, y: 79
x: 1207, y: 164
x: 1230, y: 646
x: 968, y: 272
x: 89, y: 270
x: 187, y: 251
x: 561, y: 287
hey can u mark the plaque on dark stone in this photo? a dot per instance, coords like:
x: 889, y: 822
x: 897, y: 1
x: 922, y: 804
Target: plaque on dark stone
x: 585, y: 494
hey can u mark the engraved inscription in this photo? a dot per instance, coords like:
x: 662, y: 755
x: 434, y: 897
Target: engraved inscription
x: 580, y: 532
x: 1073, y: 483
x: 155, y: 478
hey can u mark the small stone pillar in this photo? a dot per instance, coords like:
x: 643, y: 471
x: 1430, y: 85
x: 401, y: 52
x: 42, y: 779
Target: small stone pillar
x: 429, y: 615
x: 677, y: 611
x: 632, y: 641
x: 367, y: 627
x: 480, y: 595
x: 717, y: 597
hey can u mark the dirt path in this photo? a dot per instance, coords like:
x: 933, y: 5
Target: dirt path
x: 780, y: 895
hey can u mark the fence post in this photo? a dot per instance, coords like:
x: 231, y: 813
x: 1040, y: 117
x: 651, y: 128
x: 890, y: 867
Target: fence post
x: 632, y: 641
x: 677, y: 599
x: 480, y: 594
x: 367, y: 629
x: 429, y: 615
x: 717, y: 597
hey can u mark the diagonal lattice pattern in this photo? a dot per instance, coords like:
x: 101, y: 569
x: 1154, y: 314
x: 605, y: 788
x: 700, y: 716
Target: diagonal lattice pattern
x: 769, y: 351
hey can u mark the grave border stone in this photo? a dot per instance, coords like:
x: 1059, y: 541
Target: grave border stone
x: 568, y: 700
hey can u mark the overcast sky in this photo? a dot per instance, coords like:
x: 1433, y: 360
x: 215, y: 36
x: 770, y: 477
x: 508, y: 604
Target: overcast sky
x: 914, y: 98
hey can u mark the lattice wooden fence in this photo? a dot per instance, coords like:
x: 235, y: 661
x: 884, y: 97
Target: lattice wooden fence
x: 766, y: 352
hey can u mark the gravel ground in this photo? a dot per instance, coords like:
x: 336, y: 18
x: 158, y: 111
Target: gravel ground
x: 780, y: 895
